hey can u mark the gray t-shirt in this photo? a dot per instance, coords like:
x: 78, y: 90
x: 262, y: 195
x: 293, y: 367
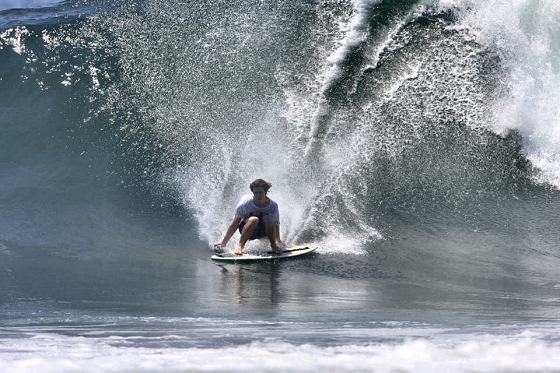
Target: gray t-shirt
x: 247, y: 208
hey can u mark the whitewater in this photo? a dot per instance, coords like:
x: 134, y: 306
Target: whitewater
x: 416, y: 143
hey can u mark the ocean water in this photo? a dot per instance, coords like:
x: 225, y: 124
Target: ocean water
x: 416, y: 143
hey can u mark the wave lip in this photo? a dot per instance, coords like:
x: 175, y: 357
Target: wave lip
x: 524, y: 35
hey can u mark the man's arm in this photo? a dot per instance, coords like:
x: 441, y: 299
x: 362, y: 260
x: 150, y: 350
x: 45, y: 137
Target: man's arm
x: 230, y: 232
x: 277, y: 221
x: 278, y: 236
x: 278, y: 233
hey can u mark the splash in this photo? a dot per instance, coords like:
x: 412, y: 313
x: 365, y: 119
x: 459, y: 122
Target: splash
x: 262, y: 142
x: 355, y: 32
x: 14, y: 38
x: 524, y: 33
x: 341, y: 114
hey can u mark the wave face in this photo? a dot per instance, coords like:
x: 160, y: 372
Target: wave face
x: 352, y: 110
x: 523, y: 34
x: 415, y: 140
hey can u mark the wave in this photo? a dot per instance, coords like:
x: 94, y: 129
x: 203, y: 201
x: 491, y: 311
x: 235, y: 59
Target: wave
x: 414, y: 142
x: 358, y: 113
x: 523, y: 35
x: 28, y: 4
x: 237, y: 346
x: 49, y: 14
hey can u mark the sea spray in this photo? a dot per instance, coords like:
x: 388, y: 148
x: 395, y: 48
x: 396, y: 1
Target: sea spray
x: 369, y: 116
x: 524, y: 35
x: 96, y: 275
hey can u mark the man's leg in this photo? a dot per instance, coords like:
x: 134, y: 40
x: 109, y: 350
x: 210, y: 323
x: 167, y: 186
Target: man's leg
x: 246, y: 233
x: 272, y: 234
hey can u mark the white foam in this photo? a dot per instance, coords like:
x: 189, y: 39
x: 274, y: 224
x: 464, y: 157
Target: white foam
x: 355, y: 33
x: 525, y: 35
x: 525, y: 351
x: 338, y: 243
x: 14, y: 37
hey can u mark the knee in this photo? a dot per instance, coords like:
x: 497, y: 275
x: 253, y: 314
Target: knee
x: 253, y: 220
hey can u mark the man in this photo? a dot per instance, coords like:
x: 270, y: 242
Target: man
x: 256, y: 216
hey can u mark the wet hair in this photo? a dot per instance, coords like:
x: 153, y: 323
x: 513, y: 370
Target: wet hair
x: 260, y: 183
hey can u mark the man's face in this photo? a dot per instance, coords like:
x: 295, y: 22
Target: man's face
x: 259, y: 194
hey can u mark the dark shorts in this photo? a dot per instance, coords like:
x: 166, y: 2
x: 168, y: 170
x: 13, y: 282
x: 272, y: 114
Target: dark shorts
x: 260, y: 231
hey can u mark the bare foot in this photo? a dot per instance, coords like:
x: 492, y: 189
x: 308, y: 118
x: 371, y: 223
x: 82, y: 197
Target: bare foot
x: 277, y: 250
x: 238, y: 250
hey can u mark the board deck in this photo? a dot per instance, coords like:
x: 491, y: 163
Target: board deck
x: 288, y: 253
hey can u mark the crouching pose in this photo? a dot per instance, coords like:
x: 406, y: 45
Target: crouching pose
x: 256, y: 216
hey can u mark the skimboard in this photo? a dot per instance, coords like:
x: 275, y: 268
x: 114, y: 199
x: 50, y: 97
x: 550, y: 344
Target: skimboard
x: 292, y: 252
